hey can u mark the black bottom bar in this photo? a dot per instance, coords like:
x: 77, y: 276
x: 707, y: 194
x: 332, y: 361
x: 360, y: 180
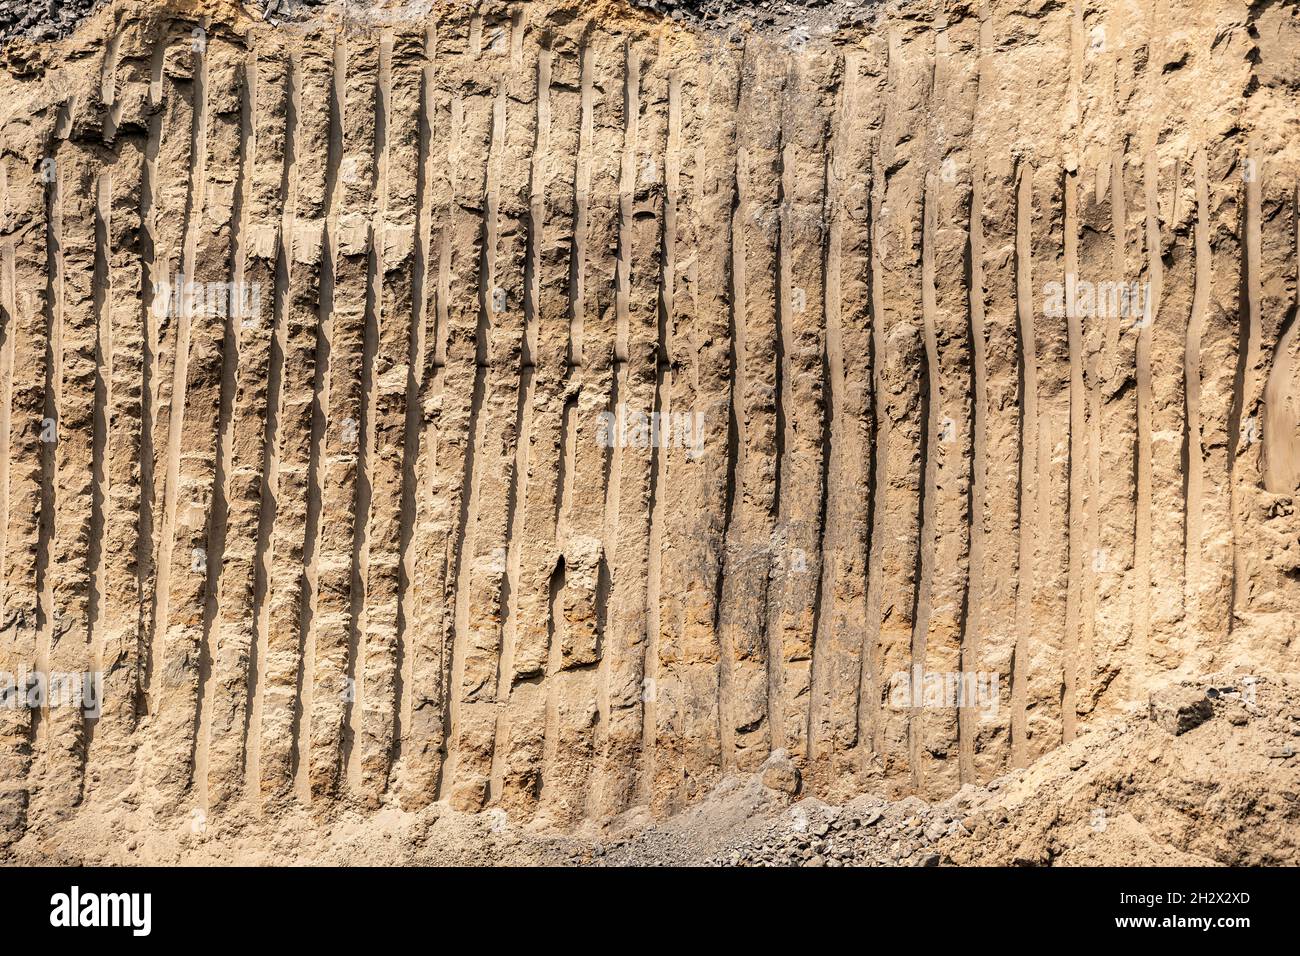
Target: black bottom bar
x: 933, y: 907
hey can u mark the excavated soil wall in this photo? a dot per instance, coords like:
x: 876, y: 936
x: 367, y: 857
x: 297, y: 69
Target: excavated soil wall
x: 551, y: 406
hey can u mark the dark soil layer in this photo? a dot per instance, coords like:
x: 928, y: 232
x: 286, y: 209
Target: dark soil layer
x: 41, y: 19
x: 764, y: 10
x: 51, y: 19
x: 46, y: 20
x: 781, y: 13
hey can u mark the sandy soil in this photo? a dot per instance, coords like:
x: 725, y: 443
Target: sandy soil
x: 1223, y: 790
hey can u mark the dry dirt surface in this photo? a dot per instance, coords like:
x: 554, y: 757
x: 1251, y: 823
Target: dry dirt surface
x: 536, y: 431
x: 1207, y: 775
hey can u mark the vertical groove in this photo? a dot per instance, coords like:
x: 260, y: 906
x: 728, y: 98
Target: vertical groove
x: 622, y: 407
x: 468, y: 328
x: 183, y: 569
x: 747, y: 607
x: 66, y: 587
x: 563, y: 104
x: 898, y: 188
x: 929, y: 467
x: 669, y: 288
x: 871, y: 717
x: 737, y: 425
x: 22, y: 258
x: 14, y: 724
x: 182, y: 317
x: 994, y: 265
x: 285, y: 605
x: 480, y: 555
x: 700, y: 343
x: 523, y: 681
x: 840, y: 664
x: 949, y: 436
x: 785, y: 560
x: 1079, y: 498
x: 973, y: 636
x: 1244, y: 383
x: 103, y: 358
x: 340, y: 583
x: 478, y: 284
x: 190, y: 574
x: 521, y: 723
x: 8, y: 332
x: 1027, y: 506
x: 415, y: 454
x: 421, y: 739
x: 583, y: 522
x: 276, y: 372
x: 420, y: 51
x: 837, y: 544
x: 53, y: 368
x: 645, y: 434
x: 1166, y: 309
x: 1114, y: 464
x: 948, y: 447
x: 228, y: 622
x: 500, y: 415
x: 803, y: 401
x: 25, y: 306
x: 1154, y: 267
x: 450, y: 372
x: 103, y: 299
x: 310, y: 777
x: 1194, y: 453
x: 157, y: 241
x: 1077, y: 619
x: 1278, y: 462
x: 119, y: 647
x: 361, y: 610
x: 391, y: 388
